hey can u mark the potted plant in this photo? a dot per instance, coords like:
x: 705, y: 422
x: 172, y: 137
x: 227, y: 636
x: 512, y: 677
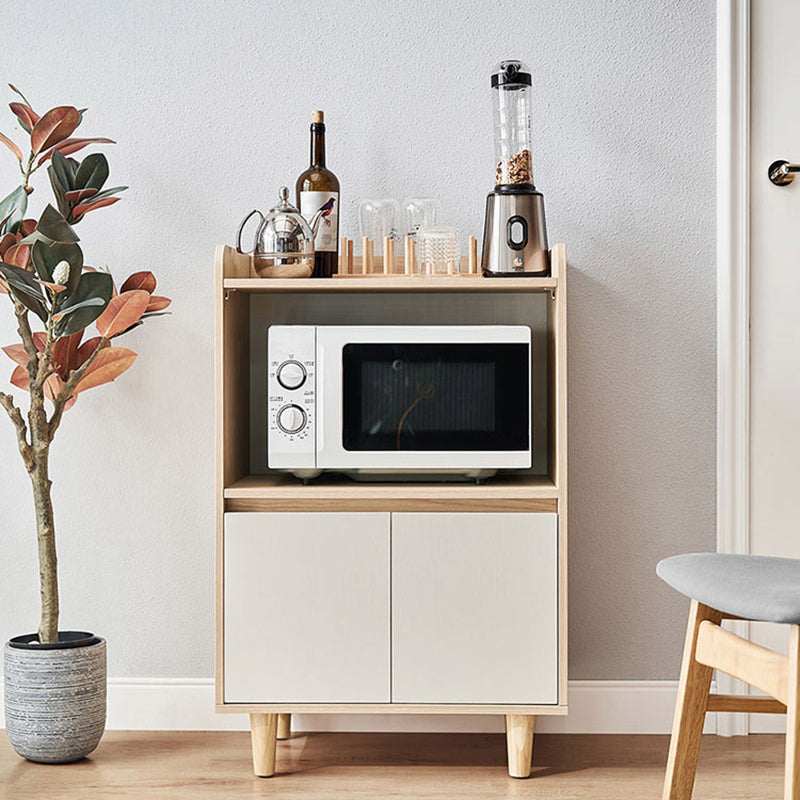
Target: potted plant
x: 55, y: 681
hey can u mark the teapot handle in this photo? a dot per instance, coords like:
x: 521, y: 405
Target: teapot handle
x: 241, y: 228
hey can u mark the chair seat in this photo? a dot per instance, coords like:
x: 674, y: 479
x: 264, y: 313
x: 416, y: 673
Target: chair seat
x: 760, y: 588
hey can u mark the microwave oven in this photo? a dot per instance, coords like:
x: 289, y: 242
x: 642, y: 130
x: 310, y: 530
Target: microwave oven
x: 405, y: 401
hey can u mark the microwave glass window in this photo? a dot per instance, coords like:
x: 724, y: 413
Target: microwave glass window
x: 435, y: 397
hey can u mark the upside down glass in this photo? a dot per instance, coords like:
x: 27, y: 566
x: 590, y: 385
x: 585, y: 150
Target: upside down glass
x: 437, y: 251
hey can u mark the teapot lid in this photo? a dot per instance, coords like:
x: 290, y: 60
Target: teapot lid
x: 284, y: 229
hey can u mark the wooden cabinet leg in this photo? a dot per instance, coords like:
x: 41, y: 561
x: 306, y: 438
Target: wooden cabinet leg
x: 690, y: 711
x: 792, y: 781
x: 519, y: 741
x: 284, y: 726
x: 263, y: 737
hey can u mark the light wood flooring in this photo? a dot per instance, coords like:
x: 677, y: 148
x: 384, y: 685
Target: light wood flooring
x: 392, y: 766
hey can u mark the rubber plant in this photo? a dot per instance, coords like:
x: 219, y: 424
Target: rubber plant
x: 49, y: 287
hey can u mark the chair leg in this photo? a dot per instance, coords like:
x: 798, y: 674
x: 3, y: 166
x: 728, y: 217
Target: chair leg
x: 519, y: 743
x: 690, y: 711
x: 792, y: 779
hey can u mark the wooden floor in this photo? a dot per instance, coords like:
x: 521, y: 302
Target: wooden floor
x: 381, y: 766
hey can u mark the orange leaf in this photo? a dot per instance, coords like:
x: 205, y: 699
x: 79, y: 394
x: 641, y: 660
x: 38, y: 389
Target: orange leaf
x: 157, y: 303
x: 11, y: 146
x: 7, y: 241
x: 25, y: 113
x: 20, y: 378
x: 80, y: 194
x: 123, y: 311
x: 84, y: 208
x: 86, y: 349
x: 56, y: 287
x: 40, y: 340
x: 70, y: 146
x: 65, y: 353
x: 3, y: 287
x: 110, y: 363
x: 18, y: 255
x: 140, y: 280
x: 16, y: 352
x: 55, y: 126
x: 27, y: 227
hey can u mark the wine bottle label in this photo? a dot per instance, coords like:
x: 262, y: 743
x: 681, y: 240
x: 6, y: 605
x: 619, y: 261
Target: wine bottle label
x: 327, y: 238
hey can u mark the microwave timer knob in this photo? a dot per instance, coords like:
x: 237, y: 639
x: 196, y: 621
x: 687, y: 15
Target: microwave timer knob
x: 291, y: 418
x: 291, y: 374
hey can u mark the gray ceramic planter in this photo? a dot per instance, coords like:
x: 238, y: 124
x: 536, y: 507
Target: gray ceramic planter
x: 55, y: 699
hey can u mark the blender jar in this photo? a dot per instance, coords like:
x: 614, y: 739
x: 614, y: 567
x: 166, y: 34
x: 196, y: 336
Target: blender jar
x: 511, y: 100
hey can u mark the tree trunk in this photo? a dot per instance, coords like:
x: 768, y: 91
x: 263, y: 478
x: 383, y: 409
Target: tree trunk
x: 46, y: 535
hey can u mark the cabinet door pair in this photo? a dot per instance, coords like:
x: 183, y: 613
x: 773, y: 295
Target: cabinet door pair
x: 432, y: 608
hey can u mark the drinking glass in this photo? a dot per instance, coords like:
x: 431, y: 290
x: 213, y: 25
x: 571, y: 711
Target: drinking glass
x: 420, y: 212
x: 379, y: 218
x: 437, y: 251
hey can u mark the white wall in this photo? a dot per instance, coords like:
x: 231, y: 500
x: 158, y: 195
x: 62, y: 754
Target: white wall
x: 210, y: 104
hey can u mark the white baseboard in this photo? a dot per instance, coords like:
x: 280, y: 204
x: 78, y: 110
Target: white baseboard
x: 595, y: 707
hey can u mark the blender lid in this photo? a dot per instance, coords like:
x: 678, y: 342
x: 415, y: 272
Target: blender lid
x: 511, y: 74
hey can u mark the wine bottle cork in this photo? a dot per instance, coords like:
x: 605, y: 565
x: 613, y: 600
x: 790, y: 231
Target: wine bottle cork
x: 318, y: 116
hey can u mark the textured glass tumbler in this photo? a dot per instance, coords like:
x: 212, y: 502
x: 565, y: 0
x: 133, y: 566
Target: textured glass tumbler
x: 437, y: 251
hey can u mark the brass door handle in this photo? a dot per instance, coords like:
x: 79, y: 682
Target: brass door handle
x: 781, y: 173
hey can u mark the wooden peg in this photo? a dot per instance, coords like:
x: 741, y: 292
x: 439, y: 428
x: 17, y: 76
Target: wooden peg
x: 473, y: 256
x: 343, y: 256
x: 349, y: 256
x: 408, y: 264
x: 387, y: 248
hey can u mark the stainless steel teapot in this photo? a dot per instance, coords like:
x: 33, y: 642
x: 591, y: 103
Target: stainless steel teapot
x: 284, y: 241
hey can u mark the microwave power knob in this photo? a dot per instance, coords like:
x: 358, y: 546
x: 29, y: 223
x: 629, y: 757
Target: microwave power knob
x: 291, y: 374
x: 291, y: 418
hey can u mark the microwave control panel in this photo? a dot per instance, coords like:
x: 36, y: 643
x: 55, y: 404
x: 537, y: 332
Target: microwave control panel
x: 291, y: 390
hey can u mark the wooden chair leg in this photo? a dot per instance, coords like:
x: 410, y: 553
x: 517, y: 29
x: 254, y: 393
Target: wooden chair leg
x: 690, y: 711
x: 519, y: 742
x: 263, y: 737
x: 792, y: 779
x: 284, y: 726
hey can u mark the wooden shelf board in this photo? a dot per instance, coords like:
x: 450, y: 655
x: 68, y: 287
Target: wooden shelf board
x: 392, y: 283
x: 283, y: 492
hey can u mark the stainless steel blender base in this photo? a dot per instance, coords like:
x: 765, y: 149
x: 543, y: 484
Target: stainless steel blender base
x: 514, y: 234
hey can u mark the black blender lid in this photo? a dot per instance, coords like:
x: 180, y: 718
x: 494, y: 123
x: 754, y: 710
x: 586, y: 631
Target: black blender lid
x: 512, y: 74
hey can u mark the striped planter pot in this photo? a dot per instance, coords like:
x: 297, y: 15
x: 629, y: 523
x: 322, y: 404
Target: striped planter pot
x: 55, y: 696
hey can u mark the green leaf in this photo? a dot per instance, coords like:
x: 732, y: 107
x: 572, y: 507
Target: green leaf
x: 91, y: 285
x: 107, y: 193
x: 45, y: 256
x: 53, y: 226
x: 24, y: 288
x: 12, y: 210
x: 90, y: 301
x: 92, y: 173
x: 63, y: 170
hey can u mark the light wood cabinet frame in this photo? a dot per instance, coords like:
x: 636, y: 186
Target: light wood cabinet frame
x: 237, y: 490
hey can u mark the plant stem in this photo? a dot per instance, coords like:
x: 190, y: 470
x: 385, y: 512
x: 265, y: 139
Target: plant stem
x: 46, y: 538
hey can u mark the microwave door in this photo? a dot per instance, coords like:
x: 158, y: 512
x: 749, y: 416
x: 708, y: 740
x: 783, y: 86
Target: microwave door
x: 428, y: 405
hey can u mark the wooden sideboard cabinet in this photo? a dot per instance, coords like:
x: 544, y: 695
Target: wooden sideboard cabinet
x: 342, y: 597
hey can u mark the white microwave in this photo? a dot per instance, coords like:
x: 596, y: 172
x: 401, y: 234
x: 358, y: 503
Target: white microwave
x: 382, y: 401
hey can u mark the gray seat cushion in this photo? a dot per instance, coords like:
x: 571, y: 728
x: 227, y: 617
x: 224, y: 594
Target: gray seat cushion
x: 752, y: 587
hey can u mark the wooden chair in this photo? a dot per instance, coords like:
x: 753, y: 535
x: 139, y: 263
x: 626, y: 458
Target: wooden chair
x: 724, y: 586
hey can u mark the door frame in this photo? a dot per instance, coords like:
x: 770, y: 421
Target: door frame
x: 733, y: 304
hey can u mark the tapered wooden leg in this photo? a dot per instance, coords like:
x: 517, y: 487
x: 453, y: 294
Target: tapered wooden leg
x: 263, y: 737
x: 792, y: 782
x: 690, y: 711
x: 284, y: 726
x: 519, y: 741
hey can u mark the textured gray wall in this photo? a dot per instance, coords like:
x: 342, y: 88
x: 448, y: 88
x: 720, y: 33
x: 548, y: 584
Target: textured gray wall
x: 210, y: 103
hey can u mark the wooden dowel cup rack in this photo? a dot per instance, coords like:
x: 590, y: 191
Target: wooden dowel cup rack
x: 366, y: 265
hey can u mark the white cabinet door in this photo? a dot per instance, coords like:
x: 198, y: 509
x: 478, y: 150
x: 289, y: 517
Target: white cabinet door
x: 306, y: 608
x: 474, y: 608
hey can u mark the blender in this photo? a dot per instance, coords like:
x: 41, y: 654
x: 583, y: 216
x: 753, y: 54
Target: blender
x: 514, y: 234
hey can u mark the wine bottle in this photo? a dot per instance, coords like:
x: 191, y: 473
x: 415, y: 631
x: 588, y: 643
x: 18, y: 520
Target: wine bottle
x: 318, y: 188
